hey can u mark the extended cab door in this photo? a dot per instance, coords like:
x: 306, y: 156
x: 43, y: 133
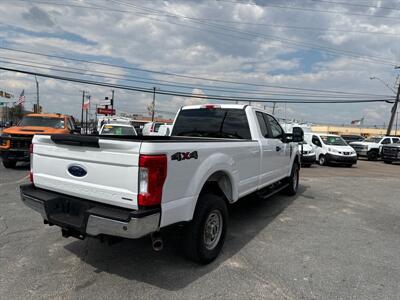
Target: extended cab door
x: 273, y: 164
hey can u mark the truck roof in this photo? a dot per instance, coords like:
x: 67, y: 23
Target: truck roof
x: 226, y: 106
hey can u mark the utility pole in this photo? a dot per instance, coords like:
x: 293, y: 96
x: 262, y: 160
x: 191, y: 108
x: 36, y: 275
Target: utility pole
x: 394, y: 110
x: 87, y: 111
x: 273, y: 108
x: 153, y: 105
x: 37, y: 96
x: 112, y: 99
x: 83, y: 102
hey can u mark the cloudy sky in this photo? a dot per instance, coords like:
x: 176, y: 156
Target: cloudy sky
x: 263, y: 49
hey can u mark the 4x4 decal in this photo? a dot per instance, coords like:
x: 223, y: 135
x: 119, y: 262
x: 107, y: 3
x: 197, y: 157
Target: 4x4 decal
x: 184, y: 155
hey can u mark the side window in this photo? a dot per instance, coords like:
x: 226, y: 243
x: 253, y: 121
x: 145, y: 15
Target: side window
x: 261, y: 122
x: 315, y: 140
x: 235, y: 125
x: 276, y: 129
x: 385, y: 141
x: 69, y: 124
x: 395, y: 140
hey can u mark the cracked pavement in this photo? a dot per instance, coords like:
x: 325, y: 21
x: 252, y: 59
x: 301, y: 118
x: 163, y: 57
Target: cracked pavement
x: 337, y: 239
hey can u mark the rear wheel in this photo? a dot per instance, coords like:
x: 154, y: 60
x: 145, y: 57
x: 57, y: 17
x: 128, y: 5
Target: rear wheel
x: 322, y: 160
x: 205, y: 235
x: 306, y: 165
x: 293, y: 181
x: 387, y: 161
x: 8, y: 164
x: 372, y: 155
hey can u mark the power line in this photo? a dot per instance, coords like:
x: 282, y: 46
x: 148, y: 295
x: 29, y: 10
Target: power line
x: 356, y: 4
x: 307, y: 9
x: 192, y: 95
x: 307, y: 45
x: 266, y: 24
x: 180, y: 75
x: 295, y: 44
x: 126, y: 78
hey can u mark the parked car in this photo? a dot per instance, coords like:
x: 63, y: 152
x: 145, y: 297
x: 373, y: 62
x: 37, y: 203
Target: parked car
x: 117, y: 129
x: 391, y: 152
x: 104, y: 186
x: 371, y: 147
x: 352, y: 138
x: 308, y: 156
x: 151, y: 128
x: 331, y: 149
x: 15, y: 141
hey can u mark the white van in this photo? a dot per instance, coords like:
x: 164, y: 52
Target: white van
x: 151, y: 128
x: 331, y: 148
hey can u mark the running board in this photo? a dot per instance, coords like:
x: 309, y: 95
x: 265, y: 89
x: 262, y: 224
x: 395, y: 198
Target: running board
x: 273, y: 192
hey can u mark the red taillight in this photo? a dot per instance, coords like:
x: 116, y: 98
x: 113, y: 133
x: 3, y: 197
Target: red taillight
x: 152, y: 174
x: 210, y: 106
x: 31, y: 162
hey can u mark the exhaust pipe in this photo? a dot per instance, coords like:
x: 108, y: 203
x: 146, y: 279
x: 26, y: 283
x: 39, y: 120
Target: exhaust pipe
x: 156, y: 241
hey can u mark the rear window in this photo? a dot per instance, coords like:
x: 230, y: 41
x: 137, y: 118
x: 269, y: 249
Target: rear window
x: 42, y: 122
x: 216, y: 123
x: 117, y: 130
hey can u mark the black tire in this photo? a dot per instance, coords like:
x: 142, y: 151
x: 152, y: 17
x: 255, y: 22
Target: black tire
x: 8, y: 164
x: 388, y: 162
x: 306, y: 165
x: 322, y: 160
x: 372, y: 155
x: 195, y: 241
x: 348, y: 166
x: 293, y: 181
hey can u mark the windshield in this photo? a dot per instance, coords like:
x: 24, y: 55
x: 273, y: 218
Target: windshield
x: 333, y: 140
x: 117, y: 130
x: 43, y: 122
x: 373, y: 140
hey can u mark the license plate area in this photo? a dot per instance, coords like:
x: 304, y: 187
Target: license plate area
x: 67, y: 212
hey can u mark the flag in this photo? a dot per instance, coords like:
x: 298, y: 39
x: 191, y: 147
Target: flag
x: 86, y: 103
x: 21, y: 98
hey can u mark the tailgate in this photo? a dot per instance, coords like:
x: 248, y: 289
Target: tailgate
x: 103, y: 170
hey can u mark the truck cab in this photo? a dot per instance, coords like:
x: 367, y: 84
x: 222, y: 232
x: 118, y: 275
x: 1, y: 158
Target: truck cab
x: 15, y: 141
x: 371, y: 147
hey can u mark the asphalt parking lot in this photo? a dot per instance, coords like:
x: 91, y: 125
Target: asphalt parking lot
x: 337, y: 239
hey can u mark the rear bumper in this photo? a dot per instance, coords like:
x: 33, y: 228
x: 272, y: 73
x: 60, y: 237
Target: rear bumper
x: 338, y: 159
x: 82, y: 217
x: 15, y: 155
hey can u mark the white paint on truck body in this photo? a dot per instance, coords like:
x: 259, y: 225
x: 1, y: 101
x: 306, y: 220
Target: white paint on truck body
x: 112, y: 169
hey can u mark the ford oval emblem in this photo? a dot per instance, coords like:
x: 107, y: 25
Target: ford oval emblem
x: 77, y: 171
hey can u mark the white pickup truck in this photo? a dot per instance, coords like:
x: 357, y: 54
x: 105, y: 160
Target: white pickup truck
x: 133, y: 186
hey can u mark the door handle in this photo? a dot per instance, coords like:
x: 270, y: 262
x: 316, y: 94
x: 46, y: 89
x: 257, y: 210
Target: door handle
x: 278, y: 148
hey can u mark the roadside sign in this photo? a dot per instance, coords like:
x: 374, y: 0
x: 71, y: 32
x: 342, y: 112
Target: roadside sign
x: 106, y: 111
x: 105, y: 102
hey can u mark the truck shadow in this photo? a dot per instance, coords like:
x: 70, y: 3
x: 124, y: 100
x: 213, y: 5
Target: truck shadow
x: 168, y: 269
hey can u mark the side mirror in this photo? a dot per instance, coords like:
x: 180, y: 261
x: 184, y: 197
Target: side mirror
x: 77, y: 130
x: 298, y: 135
